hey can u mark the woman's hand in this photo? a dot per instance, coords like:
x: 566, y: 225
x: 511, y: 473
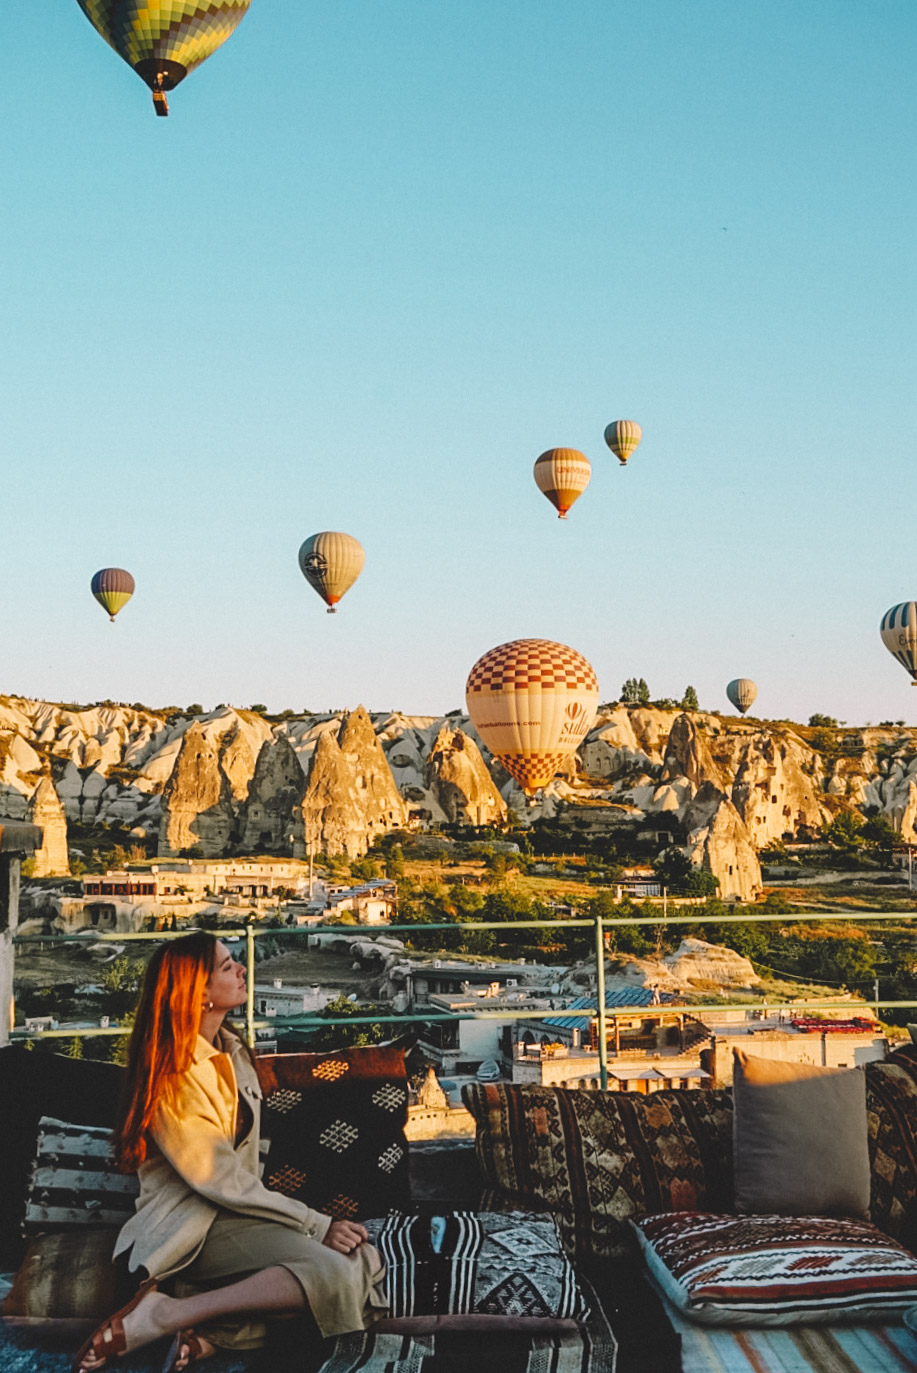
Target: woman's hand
x: 344, y: 1236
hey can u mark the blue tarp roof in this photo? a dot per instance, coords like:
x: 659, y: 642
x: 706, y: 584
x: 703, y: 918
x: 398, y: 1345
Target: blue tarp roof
x: 633, y: 996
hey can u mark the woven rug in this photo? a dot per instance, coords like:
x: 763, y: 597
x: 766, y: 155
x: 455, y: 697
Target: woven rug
x: 803, y: 1349
x: 590, y: 1349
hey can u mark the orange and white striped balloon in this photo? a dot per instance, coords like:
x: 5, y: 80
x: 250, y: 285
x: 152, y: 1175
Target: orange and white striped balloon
x: 563, y: 475
x: 532, y: 701
x: 623, y: 438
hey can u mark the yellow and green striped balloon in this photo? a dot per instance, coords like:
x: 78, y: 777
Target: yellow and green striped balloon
x: 164, y: 40
x: 112, y: 588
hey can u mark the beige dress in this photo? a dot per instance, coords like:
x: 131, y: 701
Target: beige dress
x: 204, y: 1213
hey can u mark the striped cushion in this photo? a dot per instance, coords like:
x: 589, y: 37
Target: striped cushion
x: 74, y: 1181
x: 777, y: 1270
x: 463, y: 1268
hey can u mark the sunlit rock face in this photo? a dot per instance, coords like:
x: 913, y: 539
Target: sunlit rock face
x: 331, y: 819
x: 718, y: 841
x: 457, y: 777
x: 276, y: 792
x: 382, y: 804
x: 197, y: 801
x: 46, y: 811
x: 224, y: 782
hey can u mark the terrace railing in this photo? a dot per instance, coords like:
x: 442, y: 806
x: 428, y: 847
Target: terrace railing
x: 598, y: 925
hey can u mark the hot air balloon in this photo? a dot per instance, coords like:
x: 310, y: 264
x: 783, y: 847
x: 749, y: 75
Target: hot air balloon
x: 899, y: 635
x: 623, y: 438
x: 112, y: 588
x: 563, y: 475
x: 331, y: 562
x: 742, y: 692
x: 532, y: 702
x: 164, y: 40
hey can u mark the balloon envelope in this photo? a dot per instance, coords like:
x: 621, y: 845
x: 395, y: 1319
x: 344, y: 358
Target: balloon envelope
x: 164, y: 40
x: 532, y: 701
x: 623, y: 437
x: 331, y: 562
x: 742, y: 692
x: 112, y: 588
x: 563, y: 475
x: 899, y: 634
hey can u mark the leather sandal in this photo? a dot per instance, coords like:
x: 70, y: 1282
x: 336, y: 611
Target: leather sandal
x: 185, y: 1339
x: 108, y: 1341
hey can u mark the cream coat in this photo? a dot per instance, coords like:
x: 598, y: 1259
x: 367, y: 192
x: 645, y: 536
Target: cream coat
x: 195, y: 1170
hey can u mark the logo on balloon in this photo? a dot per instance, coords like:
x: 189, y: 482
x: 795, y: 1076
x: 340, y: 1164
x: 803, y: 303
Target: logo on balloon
x: 315, y: 565
x: 573, y: 710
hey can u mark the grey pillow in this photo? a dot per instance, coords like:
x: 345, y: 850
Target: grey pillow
x: 800, y: 1138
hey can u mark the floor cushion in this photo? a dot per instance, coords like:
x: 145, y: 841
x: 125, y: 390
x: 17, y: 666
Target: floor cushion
x: 336, y: 1122
x: 596, y: 1159
x: 891, y: 1114
x: 777, y: 1270
x: 66, y: 1281
x: 463, y: 1270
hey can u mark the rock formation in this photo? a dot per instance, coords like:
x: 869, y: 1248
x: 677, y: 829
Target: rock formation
x: 457, y: 777
x: 331, y: 818
x: 46, y: 811
x: 718, y: 840
x: 276, y: 792
x: 383, y: 806
x: 197, y: 802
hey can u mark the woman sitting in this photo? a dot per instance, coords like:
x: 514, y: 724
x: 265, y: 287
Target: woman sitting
x: 189, y: 1125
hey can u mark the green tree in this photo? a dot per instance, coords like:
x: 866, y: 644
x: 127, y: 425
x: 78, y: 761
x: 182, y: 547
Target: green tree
x: 74, y: 1047
x: 845, y: 832
x: 879, y: 834
x: 635, y: 692
x: 818, y: 721
x: 689, y: 701
x: 344, y: 1036
x: 196, y: 709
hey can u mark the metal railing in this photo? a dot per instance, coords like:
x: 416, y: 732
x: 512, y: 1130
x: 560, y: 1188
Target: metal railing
x: 598, y: 924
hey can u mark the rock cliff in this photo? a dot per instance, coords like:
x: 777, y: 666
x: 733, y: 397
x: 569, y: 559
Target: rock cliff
x: 46, y: 811
x: 227, y: 780
x: 456, y: 775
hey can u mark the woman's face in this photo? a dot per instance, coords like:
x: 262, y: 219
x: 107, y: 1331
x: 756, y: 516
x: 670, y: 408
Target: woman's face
x: 226, y: 985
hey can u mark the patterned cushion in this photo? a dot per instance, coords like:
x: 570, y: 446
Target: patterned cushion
x: 463, y: 1269
x: 777, y: 1270
x: 67, y: 1277
x: 596, y: 1159
x: 74, y: 1181
x: 891, y: 1105
x: 336, y: 1127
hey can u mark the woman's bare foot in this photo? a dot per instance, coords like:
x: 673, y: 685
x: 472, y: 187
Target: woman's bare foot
x: 149, y: 1321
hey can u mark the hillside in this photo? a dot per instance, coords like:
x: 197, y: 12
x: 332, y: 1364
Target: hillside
x: 234, y: 781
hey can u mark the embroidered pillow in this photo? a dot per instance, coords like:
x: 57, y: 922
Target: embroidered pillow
x: 336, y: 1122
x: 800, y: 1146
x: 595, y: 1159
x: 891, y: 1112
x: 468, y: 1270
x: 777, y: 1270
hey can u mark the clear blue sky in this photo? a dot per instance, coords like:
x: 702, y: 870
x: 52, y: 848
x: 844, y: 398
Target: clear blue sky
x: 384, y: 253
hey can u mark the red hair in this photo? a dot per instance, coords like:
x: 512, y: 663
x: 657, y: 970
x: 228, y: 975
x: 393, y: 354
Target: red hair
x: 166, y: 1027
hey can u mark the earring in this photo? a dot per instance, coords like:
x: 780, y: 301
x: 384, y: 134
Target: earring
x: 208, y: 1005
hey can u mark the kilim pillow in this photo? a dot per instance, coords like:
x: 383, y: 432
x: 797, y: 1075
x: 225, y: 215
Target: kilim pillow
x: 468, y: 1270
x: 65, y: 1281
x: 596, y: 1159
x: 891, y: 1114
x: 74, y: 1182
x: 777, y: 1270
x: 335, y: 1122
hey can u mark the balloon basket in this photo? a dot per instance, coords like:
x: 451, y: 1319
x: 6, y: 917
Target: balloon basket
x: 160, y: 103
x: 331, y: 610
